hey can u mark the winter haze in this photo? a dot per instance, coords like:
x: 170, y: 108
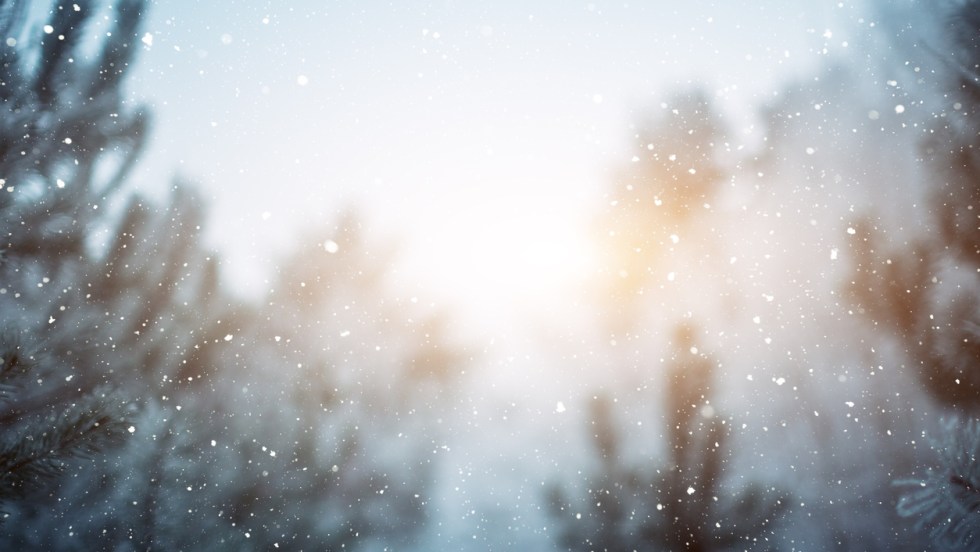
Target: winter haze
x: 517, y: 276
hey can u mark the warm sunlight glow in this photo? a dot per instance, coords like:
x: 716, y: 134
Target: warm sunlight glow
x: 519, y: 260
x: 525, y: 256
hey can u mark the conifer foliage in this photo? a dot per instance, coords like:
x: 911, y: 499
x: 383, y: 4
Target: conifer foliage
x: 945, y: 501
x: 926, y: 291
x: 666, y: 192
x: 156, y: 410
x: 662, y: 222
x: 67, y: 142
x: 923, y: 290
x: 682, y: 503
x: 36, y: 447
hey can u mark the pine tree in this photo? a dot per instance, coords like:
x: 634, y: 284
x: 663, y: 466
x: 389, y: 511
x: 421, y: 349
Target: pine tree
x: 659, y: 199
x: 368, y: 375
x: 67, y: 142
x: 659, y: 230
x: 921, y: 289
x: 930, y: 297
x: 38, y: 444
x: 244, y: 425
x: 685, y: 502
x: 313, y: 427
x: 944, y: 502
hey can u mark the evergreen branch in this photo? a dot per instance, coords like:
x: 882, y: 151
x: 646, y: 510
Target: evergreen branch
x: 40, y: 452
x: 57, y: 48
x: 119, y: 50
x: 12, y: 16
x: 15, y: 365
x: 968, y: 74
x: 946, y: 501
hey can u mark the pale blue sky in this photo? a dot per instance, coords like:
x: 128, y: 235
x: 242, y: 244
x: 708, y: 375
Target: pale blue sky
x: 441, y: 121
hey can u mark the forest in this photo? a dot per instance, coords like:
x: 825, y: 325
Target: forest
x: 775, y: 347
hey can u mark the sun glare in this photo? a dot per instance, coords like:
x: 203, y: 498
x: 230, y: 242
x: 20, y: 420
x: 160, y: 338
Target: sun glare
x: 525, y: 255
x: 520, y: 261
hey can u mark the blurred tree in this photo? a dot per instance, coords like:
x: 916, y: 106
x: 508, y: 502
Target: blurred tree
x: 672, y: 182
x: 307, y: 421
x: 925, y: 290
x: 931, y: 296
x: 684, y: 504
x: 661, y: 221
x: 322, y: 432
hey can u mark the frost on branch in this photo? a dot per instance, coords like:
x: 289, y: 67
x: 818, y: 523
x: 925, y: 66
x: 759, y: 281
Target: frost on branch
x: 945, y: 501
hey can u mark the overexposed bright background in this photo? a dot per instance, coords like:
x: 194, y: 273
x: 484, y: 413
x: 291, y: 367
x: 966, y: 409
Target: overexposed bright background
x: 480, y: 138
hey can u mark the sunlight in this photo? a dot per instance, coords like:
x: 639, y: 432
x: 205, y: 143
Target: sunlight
x: 525, y: 256
x: 517, y: 260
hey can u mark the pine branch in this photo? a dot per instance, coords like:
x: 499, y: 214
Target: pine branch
x: 15, y: 364
x: 946, y: 501
x: 57, y: 49
x: 119, y: 50
x: 633, y: 508
x: 41, y: 451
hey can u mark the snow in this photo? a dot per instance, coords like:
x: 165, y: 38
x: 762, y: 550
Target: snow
x: 543, y: 231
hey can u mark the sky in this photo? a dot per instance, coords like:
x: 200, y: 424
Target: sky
x: 480, y: 138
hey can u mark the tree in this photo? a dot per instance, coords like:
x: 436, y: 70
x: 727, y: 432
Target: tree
x: 923, y: 289
x: 944, y: 502
x: 685, y: 503
x: 67, y: 142
x: 663, y: 241
x: 930, y: 297
x: 658, y: 200
x: 319, y: 431
x: 246, y: 425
